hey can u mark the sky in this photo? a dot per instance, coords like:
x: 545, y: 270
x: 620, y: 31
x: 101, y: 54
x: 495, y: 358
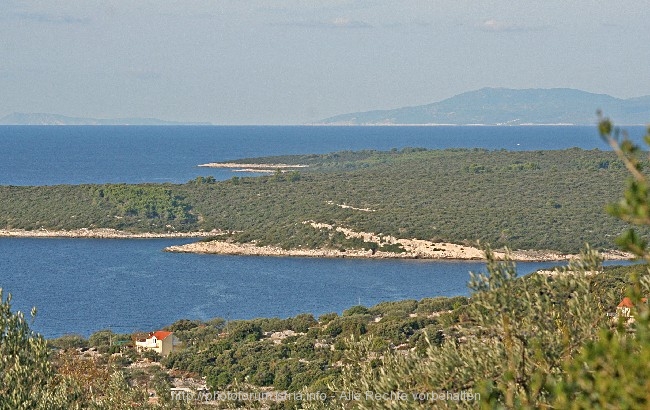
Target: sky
x: 294, y: 62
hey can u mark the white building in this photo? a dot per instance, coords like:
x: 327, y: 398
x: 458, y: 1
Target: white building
x: 159, y: 341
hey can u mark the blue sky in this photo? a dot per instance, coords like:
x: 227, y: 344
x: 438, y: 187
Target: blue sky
x: 294, y: 62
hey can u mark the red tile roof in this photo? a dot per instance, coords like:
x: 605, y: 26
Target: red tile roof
x: 627, y: 302
x: 161, y: 334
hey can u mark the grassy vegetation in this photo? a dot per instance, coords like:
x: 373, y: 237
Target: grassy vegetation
x: 526, y: 200
x: 314, y: 354
x: 304, y: 353
x: 301, y: 352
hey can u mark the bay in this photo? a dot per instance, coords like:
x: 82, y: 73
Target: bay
x: 127, y: 285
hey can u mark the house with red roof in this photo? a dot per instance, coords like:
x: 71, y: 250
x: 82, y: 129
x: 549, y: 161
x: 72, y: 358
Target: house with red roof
x: 624, y: 309
x: 159, y: 341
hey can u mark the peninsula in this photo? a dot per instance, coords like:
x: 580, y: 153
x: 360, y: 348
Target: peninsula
x: 408, y: 203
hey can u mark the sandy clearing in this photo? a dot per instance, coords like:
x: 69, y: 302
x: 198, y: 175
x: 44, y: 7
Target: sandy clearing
x: 344, y: 206
x: 414, y: 249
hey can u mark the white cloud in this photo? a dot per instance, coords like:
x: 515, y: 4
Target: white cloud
x: 142, y: 74
x: 345, y: 22
x: 501, y: 26
x: 50, y: 18
x: 497, y: 25
x: 335, y: 23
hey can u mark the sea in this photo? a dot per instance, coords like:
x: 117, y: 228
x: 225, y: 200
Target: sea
x: 80, y: 286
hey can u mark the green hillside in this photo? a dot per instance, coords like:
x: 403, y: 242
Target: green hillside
x: 525, y: 200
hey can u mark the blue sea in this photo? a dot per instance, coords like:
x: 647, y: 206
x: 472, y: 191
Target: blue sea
x: 85, y: 285
x: 48, y: 155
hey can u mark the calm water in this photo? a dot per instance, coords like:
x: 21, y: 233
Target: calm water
x: 33, y: 155
x: 84, y: 285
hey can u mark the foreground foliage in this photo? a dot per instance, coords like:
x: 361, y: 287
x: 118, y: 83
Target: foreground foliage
x: 34, y: 376
x: 515, y: 342
x: 407, y: 346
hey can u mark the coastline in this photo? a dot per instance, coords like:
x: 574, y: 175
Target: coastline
x: 255, y: 168
x: 414, y: 248
x: 102, y: 233
x: 251, y: 166
x: 445, y: 251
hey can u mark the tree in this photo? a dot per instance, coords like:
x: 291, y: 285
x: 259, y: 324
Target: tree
x: 70, y: 341
x: 26, y: 376
x: 615, y: 367
x: 101, y: 338
x: 29, y: 380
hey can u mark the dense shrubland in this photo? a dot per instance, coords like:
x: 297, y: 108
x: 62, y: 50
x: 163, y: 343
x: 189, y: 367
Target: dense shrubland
x: 439, y: 343
x: 302, y: 352
x: 525, y: 200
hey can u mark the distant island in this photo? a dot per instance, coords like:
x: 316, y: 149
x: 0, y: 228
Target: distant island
x: 18, y: 118
x: 503, y: 106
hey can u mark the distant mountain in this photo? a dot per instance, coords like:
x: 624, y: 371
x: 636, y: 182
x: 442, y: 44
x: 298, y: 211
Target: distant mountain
x: 55, y: 119
x: 502, y: 106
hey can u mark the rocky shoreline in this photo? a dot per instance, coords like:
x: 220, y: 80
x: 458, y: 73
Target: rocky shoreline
x: 413, y: 248
x: 102, y: 233
x: 251, y: 166
x: 444, y: 251
x: 257, y: 168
